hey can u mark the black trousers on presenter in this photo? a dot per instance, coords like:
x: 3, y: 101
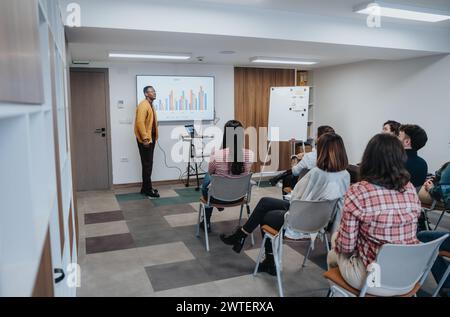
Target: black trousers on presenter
x: 146, y: 154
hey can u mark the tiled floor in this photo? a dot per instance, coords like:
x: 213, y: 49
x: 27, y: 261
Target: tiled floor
x: 133, y: 246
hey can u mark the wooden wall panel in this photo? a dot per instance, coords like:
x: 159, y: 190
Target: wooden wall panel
x: 71, y: 231
x: 43, y: 286
x: 252, y: 97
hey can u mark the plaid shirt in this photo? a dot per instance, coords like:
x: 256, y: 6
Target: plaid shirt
x: 373, y: 216
x: 220, y: 162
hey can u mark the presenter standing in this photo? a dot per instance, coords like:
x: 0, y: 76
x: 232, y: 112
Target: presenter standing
x: 146, y: 131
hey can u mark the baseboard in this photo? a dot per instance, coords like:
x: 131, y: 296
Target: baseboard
x: 158, y: 183
x: 263, y: 175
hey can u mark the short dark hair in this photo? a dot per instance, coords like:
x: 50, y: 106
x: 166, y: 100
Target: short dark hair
x: 147, y: 88
x: 383, y: 163
x: 331, y: 154
x: 324, y: 129
x: 394, y: 126
x: 417, y: 135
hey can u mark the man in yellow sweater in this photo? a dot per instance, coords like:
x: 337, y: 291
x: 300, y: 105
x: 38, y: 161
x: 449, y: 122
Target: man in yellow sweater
x: 146, y: 131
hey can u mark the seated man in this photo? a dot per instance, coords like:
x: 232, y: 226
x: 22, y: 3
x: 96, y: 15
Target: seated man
x: 307, y: 162
x: 434, y: 188
x: 413, y: 139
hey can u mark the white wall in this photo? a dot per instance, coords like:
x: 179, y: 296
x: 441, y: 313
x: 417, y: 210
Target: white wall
x: 122, y: 81
x: 356, y: 99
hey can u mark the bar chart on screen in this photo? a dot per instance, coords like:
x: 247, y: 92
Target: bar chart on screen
x: 180, y: 98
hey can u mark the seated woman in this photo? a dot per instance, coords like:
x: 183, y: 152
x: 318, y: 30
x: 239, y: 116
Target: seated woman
x: 230, y: 160
x: 307, y: 162
x: 327, y: 181
x: 382, y: 208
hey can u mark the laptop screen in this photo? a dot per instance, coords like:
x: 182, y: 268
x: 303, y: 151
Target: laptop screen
x: 190, y: 129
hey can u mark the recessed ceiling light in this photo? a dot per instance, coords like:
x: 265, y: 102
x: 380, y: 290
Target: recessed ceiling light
x: 150, y: 56
x: 227, y: 52
x: 401, y: 12
x: 276, y: 60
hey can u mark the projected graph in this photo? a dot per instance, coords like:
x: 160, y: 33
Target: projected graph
x: 191, y: 101
x: 180, y: 98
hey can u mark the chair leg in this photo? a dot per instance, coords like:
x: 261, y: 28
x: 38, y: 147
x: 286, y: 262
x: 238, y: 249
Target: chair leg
x: 427, y: 219
x: 439, y: 220
x: 205, y: 224
x: 280, y: 248
x: 307, y: 253
x: 442, y: 281
x: 327, y: 246
x: 261, y: 250
x: 200, y: 209
x: 248, y: 216
x: 240, y: 215
x: 276, y: 257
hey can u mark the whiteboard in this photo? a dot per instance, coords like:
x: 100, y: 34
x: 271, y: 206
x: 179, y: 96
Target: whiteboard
x: 289, y: 113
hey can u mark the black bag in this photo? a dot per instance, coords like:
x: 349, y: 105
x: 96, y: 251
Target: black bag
x: 423, y: 223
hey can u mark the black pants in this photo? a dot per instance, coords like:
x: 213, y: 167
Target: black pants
x: 146, y: 154
x: 268, y: 211
x: 289, y: 181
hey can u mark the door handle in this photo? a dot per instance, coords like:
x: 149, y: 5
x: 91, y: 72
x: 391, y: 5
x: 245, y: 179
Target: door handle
x: 61, y: 277
x: 100, y: 130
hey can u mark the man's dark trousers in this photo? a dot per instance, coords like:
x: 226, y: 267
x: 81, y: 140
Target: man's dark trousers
x: 146, y: 154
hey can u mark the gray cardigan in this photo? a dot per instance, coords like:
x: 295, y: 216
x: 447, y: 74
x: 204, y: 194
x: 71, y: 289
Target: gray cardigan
x: 321, y: 185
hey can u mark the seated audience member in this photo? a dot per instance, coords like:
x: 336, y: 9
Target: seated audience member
x: 413, y: 139
x: 307, y: 162
x: 327, y: 181
x: 382, y: 208
x: 439, y: 267
x: 435, y: 188
x: 391, y: 127
x: 221, y: 162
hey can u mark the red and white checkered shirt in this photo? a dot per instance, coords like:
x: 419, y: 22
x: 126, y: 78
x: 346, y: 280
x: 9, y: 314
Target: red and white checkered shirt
x: 373, y: 216
x: 220, y: 162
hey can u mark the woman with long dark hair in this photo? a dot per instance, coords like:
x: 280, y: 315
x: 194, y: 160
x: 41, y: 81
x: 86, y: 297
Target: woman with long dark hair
x: 382, y: 208
x: 231, y: 159
x: 327, y: 181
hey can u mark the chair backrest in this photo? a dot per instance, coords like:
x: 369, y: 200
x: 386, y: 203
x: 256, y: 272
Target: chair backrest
x: 402, y: 266
x: 310, y: 216
x: 228, y: 189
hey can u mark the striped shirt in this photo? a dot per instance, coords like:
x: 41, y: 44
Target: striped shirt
x: 220, y: 162
x: 373, y: 216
